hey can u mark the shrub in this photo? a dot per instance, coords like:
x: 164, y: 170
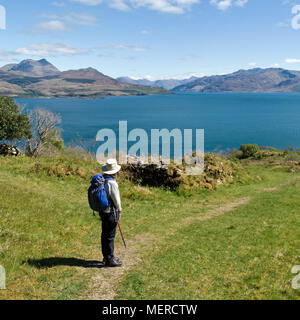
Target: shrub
x: 217, y: 172
x: 60, y: 170
x: 292, y: 156
x: 260, y: 155
x: 249, y: 150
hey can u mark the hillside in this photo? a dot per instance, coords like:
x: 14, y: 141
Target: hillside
x: 40, y: 78
x: 200, y: 249
x: 253, y: 80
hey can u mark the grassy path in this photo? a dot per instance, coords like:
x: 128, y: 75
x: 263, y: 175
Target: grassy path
x: 103, y: 284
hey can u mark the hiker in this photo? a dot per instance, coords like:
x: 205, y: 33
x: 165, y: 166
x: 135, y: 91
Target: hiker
x: 111, y: 215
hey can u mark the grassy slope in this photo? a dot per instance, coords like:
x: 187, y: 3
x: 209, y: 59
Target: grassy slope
x: 246, y: 253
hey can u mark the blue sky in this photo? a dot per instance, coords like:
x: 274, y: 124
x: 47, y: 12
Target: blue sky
x: 154, y: 38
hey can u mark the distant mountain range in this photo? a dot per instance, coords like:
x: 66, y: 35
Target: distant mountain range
x: 168, y: 84
x: 253, y: 80
x: 39, y: 78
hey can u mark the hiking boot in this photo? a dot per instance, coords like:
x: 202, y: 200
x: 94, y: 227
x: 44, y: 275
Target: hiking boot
x: 106, y: 259
x: 114, y: 262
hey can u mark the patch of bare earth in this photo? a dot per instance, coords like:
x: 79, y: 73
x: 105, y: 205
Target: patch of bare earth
x: 270, y: 189
x: 104, y: 283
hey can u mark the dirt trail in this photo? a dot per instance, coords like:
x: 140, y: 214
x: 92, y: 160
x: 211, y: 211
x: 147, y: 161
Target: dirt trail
x: 102, y: 285
x: 218, y: 211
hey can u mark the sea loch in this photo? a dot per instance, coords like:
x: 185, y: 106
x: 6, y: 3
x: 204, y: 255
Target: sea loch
x: 229, y: 119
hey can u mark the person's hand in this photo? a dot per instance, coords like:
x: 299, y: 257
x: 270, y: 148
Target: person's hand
x: 120, y: 212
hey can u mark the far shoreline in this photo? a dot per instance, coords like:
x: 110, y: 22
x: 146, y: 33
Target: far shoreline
x: 172, y: 93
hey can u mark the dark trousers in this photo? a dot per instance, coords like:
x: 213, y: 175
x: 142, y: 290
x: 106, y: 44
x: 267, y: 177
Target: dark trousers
x: 109, y: 228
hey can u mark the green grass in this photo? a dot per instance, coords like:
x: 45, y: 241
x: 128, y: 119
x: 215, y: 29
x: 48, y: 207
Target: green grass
x: 47, y: 233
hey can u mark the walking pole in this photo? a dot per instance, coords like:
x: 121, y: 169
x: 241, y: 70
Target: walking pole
x: 122, y: 235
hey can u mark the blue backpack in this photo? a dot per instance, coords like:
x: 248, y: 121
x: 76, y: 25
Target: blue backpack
x: 97, y: 196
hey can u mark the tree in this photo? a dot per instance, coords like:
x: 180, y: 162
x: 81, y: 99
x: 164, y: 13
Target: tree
x: 44, y: 132
x: 13, y: 124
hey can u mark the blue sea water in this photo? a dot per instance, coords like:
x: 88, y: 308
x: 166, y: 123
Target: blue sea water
x: 229, y: 119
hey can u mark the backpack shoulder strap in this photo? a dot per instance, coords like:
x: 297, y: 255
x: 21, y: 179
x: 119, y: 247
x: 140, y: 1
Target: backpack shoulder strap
x: 109, y: 178
x: 106, y: 179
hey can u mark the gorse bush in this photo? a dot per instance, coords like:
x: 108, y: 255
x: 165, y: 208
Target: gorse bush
x: 249, y: 150
x: 60, y: 170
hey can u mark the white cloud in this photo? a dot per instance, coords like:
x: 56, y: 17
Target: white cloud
x: 225, y: 4
x: 61, y: 23
x: 89, y: 2
x: 81, y: 19
x: 74, y: 18
x: 49, y: 49
x: 146, y: 32
x: 123, y: 47
x: 292, y: 61
x: 119, y: 5
x: 53, y: 25
x: 222, y: 4
x: 158, y: 5
x: 58, y: 4
x: 241, y: 3
x: 252, y: 64
x: 167, y: 6
x: 116, y: 4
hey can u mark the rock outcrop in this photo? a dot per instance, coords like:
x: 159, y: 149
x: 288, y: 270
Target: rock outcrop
x: 7, y: 150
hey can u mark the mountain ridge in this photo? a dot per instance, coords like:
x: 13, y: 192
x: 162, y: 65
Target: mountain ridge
x: 32, y: 67
x: 40, y: 78
x: 251, y: 80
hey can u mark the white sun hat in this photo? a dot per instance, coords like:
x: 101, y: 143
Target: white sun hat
x: 111, y: 167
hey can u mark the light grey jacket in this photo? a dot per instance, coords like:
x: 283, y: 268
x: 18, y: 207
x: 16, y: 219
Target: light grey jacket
x: 112, y: 190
